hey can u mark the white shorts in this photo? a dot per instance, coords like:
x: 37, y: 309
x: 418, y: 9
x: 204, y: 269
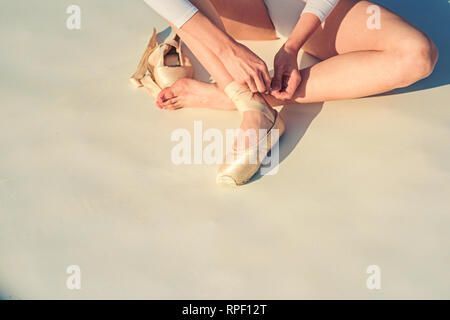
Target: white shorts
x: 284, y: 13
x: 285, y: 16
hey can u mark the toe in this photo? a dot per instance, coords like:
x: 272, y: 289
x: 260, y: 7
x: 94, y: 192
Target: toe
x: 171, y: 104
x: 165, y: 94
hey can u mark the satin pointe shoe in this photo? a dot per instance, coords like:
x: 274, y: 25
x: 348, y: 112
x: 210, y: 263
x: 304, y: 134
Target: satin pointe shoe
x: 240, y: 165
x: 161, y: 65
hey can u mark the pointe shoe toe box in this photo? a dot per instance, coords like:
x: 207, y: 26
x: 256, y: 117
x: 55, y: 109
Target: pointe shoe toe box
x: 224, y: 180
x: 243, y: 168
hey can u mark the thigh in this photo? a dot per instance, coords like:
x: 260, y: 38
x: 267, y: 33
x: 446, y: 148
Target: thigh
x: 241, y: 19
x: 245, y: 19
x: 346, y: 30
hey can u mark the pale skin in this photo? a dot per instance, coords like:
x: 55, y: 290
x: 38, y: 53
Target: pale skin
x: 356, y: 61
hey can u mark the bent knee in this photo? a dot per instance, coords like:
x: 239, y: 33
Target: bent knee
x: 416, y: 57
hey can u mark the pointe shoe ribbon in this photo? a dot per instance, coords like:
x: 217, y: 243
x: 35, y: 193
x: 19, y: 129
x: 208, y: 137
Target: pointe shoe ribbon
x: 240, y: 165
x: 161, y: 65
x: 242, y: 98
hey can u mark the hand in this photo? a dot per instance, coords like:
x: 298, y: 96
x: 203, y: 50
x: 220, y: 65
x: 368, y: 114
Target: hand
x: 287, y: 78
x: 247, y: 68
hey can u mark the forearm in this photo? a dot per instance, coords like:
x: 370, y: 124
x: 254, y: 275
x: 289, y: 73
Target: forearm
x: 315, y: 12
x: 307, y: 24
x: 211, y: 36
x: 195, y: 24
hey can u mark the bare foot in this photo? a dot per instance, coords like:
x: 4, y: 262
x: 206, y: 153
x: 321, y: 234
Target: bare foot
x: 190, y: 93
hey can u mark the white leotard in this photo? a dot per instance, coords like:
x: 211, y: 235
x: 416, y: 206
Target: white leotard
x: 180, y: 11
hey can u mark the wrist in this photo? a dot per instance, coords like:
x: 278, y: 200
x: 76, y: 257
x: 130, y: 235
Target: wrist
x: 212, y: 37
x: 292, y: 47
x: 224, y: 46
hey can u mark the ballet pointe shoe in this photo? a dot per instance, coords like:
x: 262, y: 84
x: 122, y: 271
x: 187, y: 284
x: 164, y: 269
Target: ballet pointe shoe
x: 241, y: 165
x: 162, y: 65
x: 168, y: 64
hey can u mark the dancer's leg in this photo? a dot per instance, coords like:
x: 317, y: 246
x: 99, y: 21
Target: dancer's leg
x: 207, y: 58
x: 212, y: 63
x: 358, y: 61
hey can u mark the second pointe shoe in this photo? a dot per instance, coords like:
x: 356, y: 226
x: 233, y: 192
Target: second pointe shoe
x: 245, y: 163
x: 162, y: 65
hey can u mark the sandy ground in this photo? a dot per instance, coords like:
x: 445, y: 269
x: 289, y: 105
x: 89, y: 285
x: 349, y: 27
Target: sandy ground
x: 86, y: 177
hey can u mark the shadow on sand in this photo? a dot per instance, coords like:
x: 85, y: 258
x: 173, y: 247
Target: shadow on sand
x: 298, y: 118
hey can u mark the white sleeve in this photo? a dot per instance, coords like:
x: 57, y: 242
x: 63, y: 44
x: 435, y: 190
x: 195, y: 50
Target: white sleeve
x: 320, y: 8
x: 176, y: 11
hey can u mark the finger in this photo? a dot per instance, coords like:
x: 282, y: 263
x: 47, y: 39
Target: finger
x: 266, y: 78
x: 285, y: 81
x: 260, y: 84
x: 281, y: 95
x: 251, y: 85
x: 277, y: 94
x: 276, y: 81
x: 292, y: 84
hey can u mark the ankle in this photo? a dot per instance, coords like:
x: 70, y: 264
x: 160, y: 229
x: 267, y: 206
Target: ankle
x: 253, y: 116
x: 255, y: 120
